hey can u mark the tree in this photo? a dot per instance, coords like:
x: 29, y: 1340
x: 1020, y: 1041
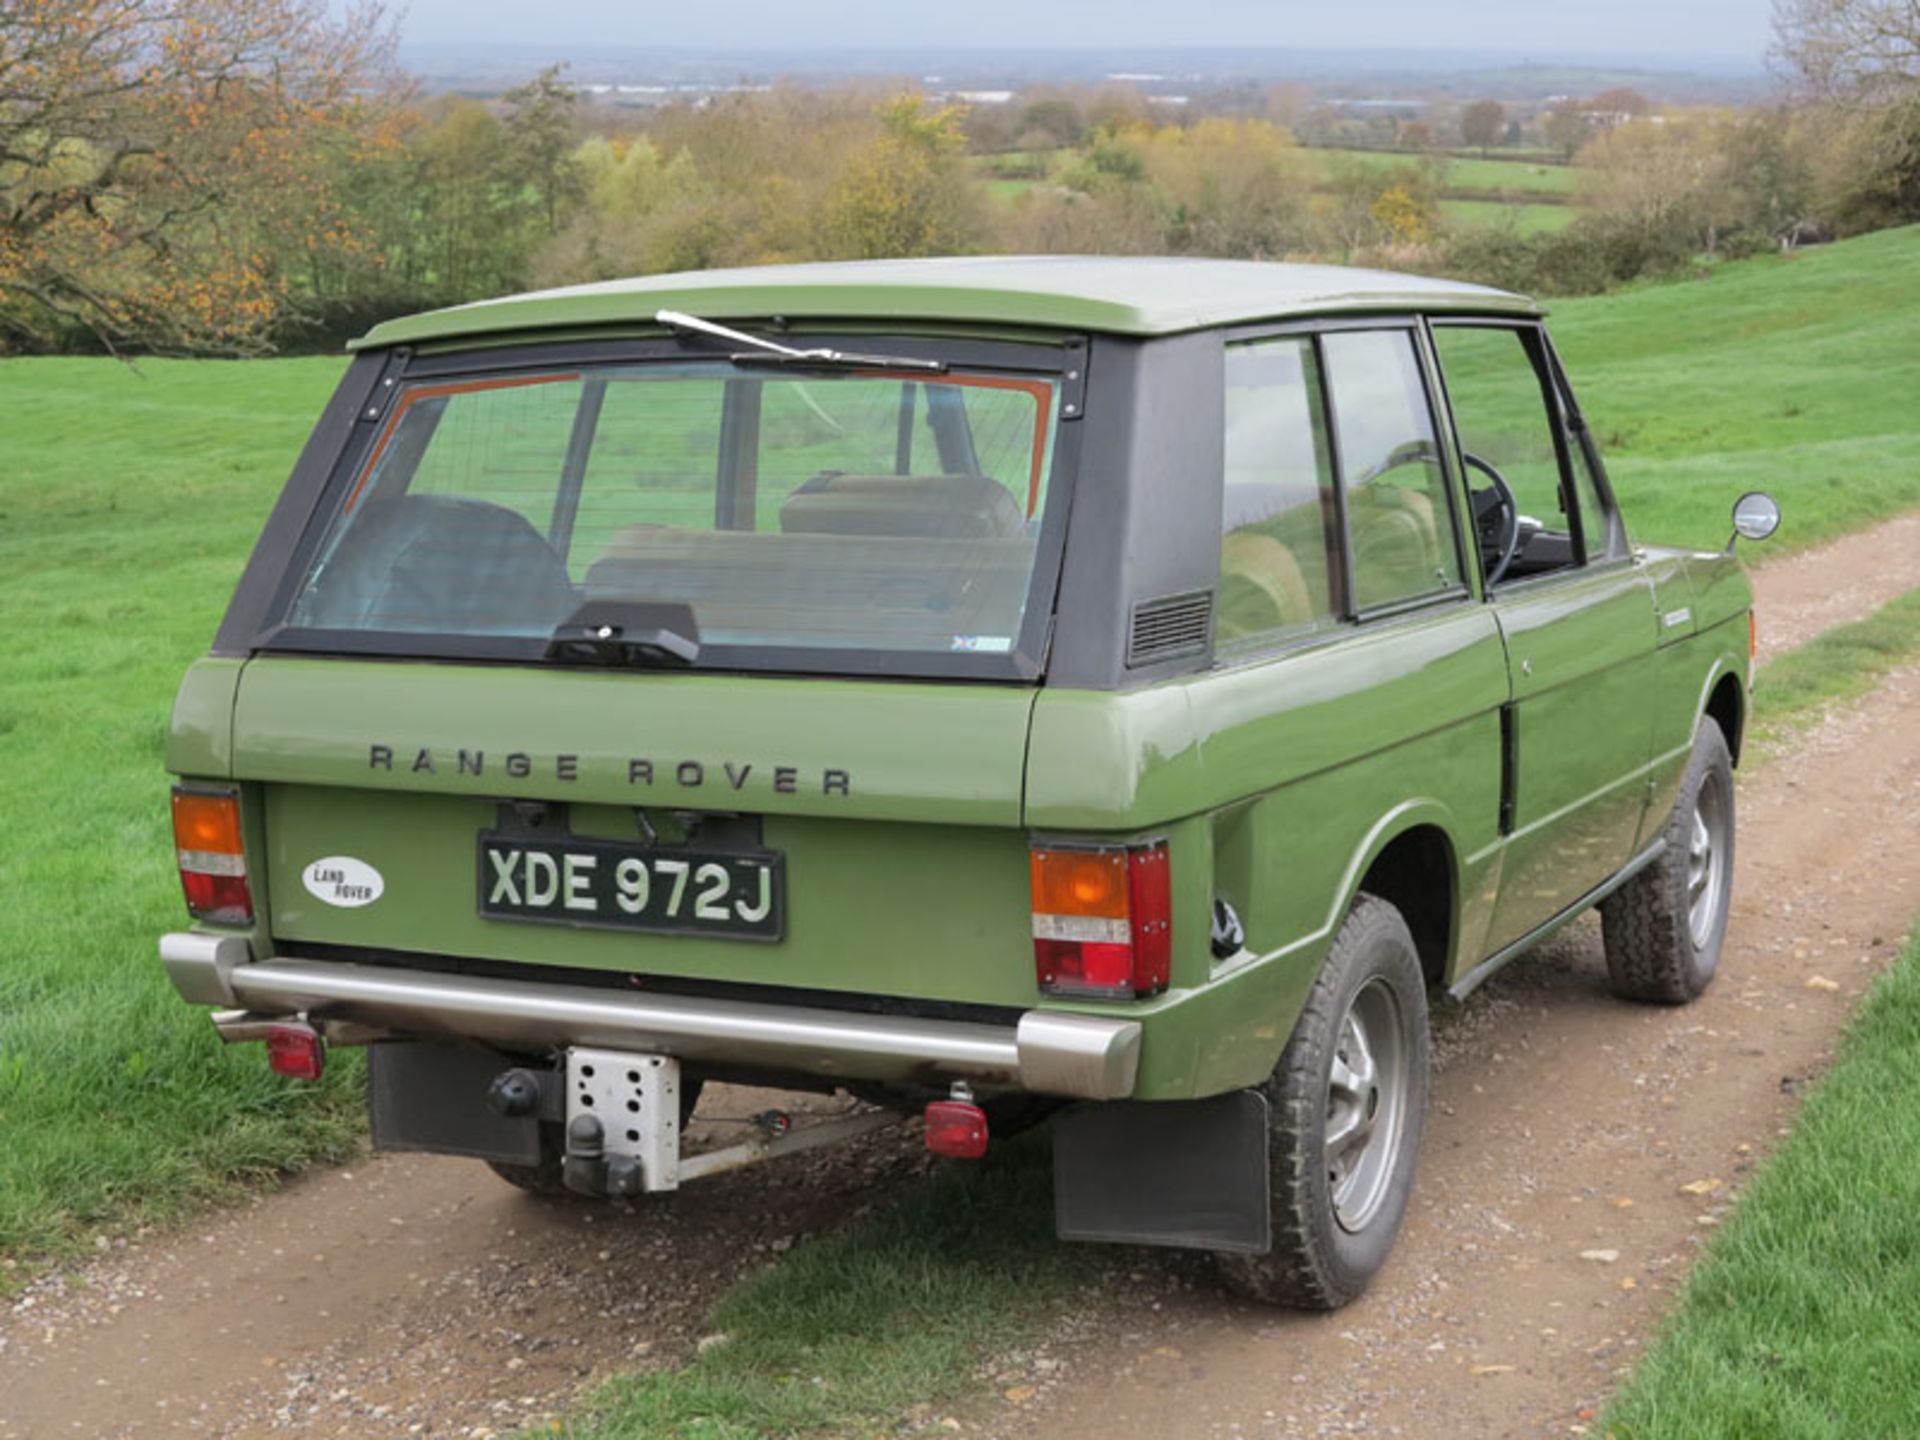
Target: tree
x: 1235, y: 188
x: 1855, y: 51
x: 1620, y: 101
x: 470, y: 234
x: 907, y: 193
x: 1051, y: 123
x: 1667, y: 184
x: 160, y: 158
x: 1566, y: 130
x: 1483, y: 123
x: 540, y: 140
x: 1861, y: 57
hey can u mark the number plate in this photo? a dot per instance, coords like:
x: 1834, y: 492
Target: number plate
x: 613, y: 885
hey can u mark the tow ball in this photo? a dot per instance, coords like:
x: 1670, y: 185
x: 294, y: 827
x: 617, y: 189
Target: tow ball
x: 589, y: 1170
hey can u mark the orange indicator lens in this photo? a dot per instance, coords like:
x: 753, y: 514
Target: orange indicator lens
x: 206, y: 824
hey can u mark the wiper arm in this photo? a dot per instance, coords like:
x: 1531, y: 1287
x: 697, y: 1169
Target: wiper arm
x: 771, y: 352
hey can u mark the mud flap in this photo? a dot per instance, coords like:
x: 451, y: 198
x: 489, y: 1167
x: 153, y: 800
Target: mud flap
x: 432, y: 1096
x: 1185, y: 1173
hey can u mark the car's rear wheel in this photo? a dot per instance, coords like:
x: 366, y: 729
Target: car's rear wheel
x: 1346, y: 1105
x: 1665, y: 927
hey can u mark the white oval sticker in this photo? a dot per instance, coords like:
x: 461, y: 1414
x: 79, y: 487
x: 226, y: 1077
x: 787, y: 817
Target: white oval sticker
x: 344, y: 881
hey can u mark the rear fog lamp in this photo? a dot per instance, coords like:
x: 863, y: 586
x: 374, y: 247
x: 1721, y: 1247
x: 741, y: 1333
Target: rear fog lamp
x: 956, y: 1128
x: 296, y: 1051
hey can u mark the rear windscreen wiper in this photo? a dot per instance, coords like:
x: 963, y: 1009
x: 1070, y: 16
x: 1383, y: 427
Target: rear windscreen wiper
x: 772, y: 352
x: 627, y: 632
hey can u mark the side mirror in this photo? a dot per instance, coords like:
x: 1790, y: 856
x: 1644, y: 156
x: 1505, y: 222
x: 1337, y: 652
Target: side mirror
x: 1756, y: 515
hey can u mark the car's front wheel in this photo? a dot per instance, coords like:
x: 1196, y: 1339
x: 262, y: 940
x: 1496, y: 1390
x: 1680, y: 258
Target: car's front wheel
x: 1346, y: 1105
x: 1664, y: 928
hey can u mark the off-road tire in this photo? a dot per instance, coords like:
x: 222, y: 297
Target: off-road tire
x: 1317, y: 1262
x: 544, y: 1179
x: 1651, y: 952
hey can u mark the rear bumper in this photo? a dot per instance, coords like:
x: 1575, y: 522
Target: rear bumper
x: 1077, y: 1056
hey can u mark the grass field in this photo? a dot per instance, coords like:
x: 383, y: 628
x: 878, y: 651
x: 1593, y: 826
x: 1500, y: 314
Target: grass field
x: 1463, y: 175
x: 1800, y: 1321
x: 1796, y: 375
x: 129, y: 499
x: 1526, y: 218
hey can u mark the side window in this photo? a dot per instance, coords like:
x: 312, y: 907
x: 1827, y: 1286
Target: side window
x: 1278, y: 538
x: 1399, y: 516
x: 1506, y: 430
x: 1598, y: 525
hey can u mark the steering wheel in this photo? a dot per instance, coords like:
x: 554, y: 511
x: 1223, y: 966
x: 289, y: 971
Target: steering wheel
x: 1496, y: 517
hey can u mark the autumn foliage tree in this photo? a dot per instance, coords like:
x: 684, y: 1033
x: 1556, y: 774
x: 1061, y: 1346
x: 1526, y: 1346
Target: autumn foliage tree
x: 159, y: 158
x: 906, y: 193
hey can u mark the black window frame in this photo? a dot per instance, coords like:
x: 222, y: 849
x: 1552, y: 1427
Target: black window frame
x: 1347, y: 614
x: 1025, y: 663
x: 1564, y: 424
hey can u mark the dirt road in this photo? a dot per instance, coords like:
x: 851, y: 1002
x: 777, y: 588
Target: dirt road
x: 413, y: 1295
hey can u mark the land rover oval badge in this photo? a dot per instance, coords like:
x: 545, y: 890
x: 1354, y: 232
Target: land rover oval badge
x: 344, y: 881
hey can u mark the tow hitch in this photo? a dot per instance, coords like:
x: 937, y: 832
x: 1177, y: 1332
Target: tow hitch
x: 623, y: 1127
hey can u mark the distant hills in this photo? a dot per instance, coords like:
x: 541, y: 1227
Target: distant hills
x: 1343, y: 73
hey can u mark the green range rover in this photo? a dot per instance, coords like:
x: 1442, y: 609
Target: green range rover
x: 988, y: 687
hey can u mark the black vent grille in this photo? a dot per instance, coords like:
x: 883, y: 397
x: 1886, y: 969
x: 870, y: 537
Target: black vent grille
x: 1169, y: 627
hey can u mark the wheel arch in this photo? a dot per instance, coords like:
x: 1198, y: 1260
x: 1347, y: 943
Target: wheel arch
x: 1409, y: 859
x: 1726, y: 705
x: 1418, y: 873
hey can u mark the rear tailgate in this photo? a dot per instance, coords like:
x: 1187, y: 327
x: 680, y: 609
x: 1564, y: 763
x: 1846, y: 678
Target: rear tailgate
x: 895, y: 809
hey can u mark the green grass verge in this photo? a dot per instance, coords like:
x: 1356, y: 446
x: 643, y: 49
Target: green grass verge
x: 1841, y: 665
x: 1800, y: 1320
x: 1790, y: 375
x: 847, y: 1333
x: 128, y: 501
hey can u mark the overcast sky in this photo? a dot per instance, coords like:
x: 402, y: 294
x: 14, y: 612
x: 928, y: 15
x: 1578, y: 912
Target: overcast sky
x: 1675, y: 29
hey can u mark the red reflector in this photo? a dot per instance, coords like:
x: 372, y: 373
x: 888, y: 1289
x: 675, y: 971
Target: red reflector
x: 957, y: 1129
x: 296, y: 1050
x: 1151, y: 887
x: 223, y: 899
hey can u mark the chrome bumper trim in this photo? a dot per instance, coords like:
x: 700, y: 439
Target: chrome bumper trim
x: 201, y: 966
x: 1078, y: 1056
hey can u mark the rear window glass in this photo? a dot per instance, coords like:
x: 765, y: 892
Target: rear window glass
x: 867, y: 511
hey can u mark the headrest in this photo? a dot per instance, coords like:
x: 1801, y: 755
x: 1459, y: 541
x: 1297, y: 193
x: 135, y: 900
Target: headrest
x: 933, y: 507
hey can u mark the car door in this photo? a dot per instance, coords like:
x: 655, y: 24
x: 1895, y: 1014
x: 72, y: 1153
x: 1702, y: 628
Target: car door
x: 1577, y: 616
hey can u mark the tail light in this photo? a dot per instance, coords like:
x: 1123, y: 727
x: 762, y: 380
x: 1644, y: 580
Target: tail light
x: 213, y: 864
x: 1102, y: 920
